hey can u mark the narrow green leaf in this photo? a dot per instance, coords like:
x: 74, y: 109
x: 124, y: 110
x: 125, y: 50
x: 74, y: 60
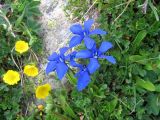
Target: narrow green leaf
x: 154, y: 9
x: 20, y: 18
x: 146, y: 85
x: 140, y: 36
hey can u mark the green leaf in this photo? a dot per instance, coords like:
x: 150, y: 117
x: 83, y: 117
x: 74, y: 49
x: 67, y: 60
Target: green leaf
x: 148, y: 66
x: 154, y: 9
x: 157, y: 88
x: 140, y: 36
x: 110, y: 106
x: 65, y: 106
x: 153, y: 105
x: 146, y: 85
x: 138, y: 59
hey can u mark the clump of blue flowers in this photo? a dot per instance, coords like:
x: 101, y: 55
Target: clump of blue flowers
x: 63, y: 61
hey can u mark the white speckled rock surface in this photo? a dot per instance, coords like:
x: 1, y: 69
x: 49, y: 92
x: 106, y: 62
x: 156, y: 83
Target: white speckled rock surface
x: 55, y: 33
x: 55, y: 25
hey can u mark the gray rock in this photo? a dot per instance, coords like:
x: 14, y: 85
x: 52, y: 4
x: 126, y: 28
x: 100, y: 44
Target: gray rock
x: 55, y: 33
x: 55, y: 25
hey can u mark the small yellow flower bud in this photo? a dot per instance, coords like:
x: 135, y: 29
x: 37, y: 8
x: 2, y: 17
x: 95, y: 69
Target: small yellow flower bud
x: 40, y: 107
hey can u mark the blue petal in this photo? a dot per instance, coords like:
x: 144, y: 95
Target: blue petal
x: 61, y: 70
x: 84, y: 54
x: 83, y: 80
x: 88, y: 24
x: 97, y: 32
x: 76, y: 29
x: 63, y: 50
x: 52, y: 57
x: 105, y: 46
x: 50, y: 67
x: 93, y: 65
x: 89, y: 42
x: 75, y: 40
x: 111, y: 59
x: 94, y: 47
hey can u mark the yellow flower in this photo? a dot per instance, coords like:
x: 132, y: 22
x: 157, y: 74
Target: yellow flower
x: 31, y: 70
x: 42, y: 91
x: 11, y: 77
x: 21, y: 46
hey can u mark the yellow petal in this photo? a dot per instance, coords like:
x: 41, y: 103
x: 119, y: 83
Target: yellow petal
x: 11, y: 77
x: 42, y: 91
x: 21, y: 46
x: 31, y: 70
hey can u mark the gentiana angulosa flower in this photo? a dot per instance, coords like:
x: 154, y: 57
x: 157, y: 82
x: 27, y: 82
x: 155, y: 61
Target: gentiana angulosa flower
x: 63, y: 61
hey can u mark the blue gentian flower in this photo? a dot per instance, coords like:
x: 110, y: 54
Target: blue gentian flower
x: 61, y: 62
x: 84, y: 34
x: 94, y: 54
x: 57, y: 62
x: 83, y: 77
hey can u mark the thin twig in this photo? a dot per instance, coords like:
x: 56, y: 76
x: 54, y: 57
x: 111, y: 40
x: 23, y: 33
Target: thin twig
x: 26, y: 109
x: 122, y: 11
x: 19, y: 67
x: 14, y: 60
x: 89, y: 9
x: 22, y: 75
x: 34, y: 54
x: 122, y: 4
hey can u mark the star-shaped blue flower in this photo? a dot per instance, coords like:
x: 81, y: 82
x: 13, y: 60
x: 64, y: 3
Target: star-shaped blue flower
x: 57, y: 62
x: 84, y: 34
x: 94, y: 54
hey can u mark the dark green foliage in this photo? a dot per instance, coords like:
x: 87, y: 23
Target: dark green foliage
x: 9, y: 109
